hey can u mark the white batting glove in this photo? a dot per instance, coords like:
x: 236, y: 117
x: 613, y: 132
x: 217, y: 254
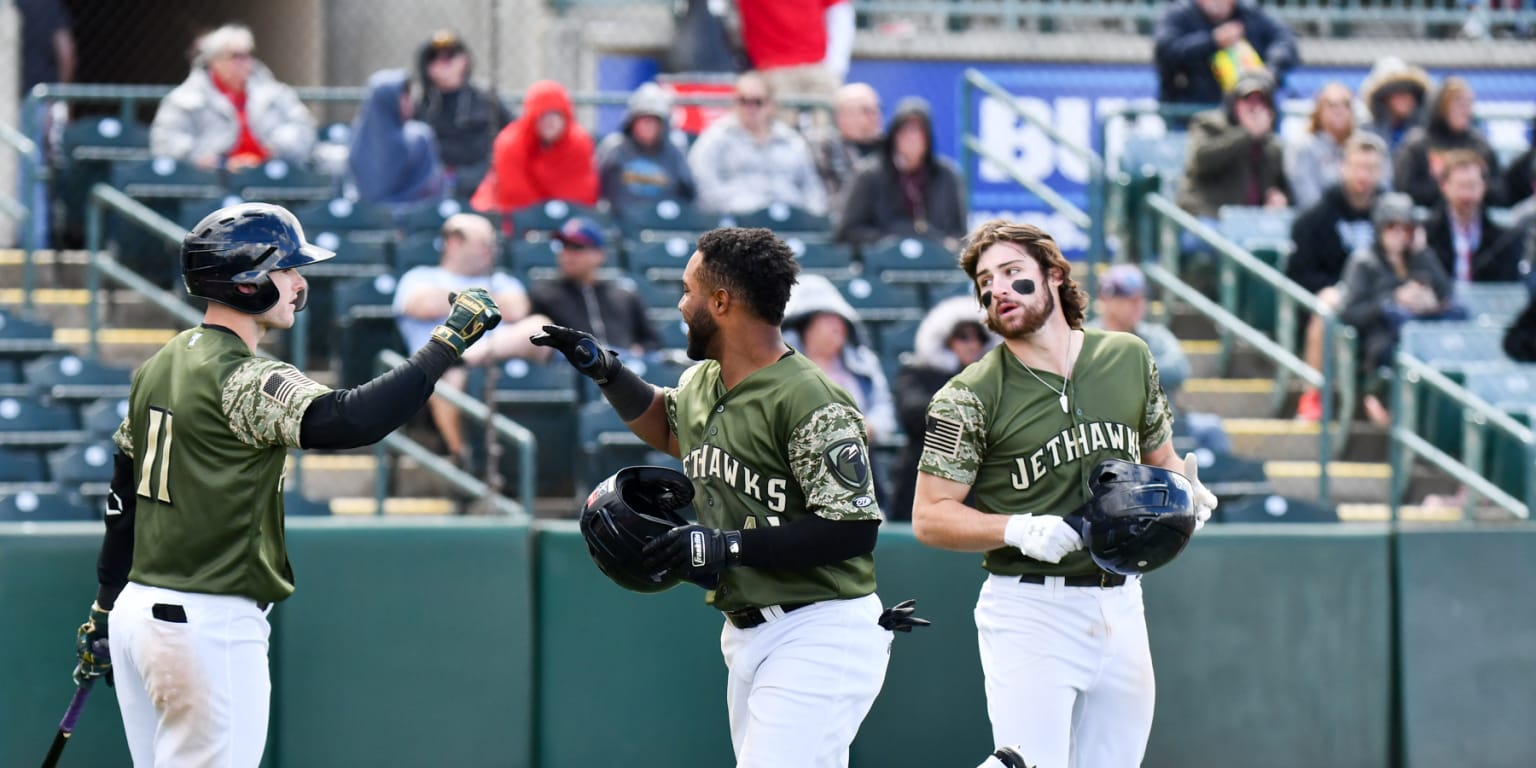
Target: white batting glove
x: 1205, y: 501
x: 1046, y: 538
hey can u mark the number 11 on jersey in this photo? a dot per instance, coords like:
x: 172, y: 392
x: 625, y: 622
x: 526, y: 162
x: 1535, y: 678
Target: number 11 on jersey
x: 156, y: 469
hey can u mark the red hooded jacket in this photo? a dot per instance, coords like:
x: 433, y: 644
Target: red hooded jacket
x: 525, y: 171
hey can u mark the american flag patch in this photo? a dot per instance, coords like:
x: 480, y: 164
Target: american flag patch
x: 284, y: 384
x: 942, y: 436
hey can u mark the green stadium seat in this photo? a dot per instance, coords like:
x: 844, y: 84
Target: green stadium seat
x: 925, y: 264
x: 278, y: 181
x: 86, y: 467
x: 1494, y: 303
x: 1272, y: 508
x: 1160, y: 157
x: 1460, y: 350
x: 22, y: 338
x: 429, y: 217
x: 1266, y: 233
x: 822, y: 257
x: 666, y: 218
x: 547, y: 216
x: 36, y: 421
x: 21, y: 467
x: 342, y: 215
x: 525, y: 254
x: 660, y: 260
x: 89, y: 147
x: 102, y: 417
x: 878, y: 301
x: 71, y: 377
x: 28, y: 506
x: 896, y: 339
x: 657, y: 294
x: 543, y: 398
x: 784, y: 219
x: 162, y: 177
x: 364, y: 318
x: 674, y: 332
x: 422, y: 249
x: 608, y: 446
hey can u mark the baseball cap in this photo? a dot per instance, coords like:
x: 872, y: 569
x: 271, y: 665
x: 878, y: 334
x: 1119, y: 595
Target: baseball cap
x: 1123, y: 280
x: 581, y: 232
x: 1254, y: 81
x: 1393, y: 208
x: 447, y: 40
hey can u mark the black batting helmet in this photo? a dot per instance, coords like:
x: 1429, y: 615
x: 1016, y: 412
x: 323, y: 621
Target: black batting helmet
x: 227, y: 257
x: 1139, y: 517
x: 633, y: 506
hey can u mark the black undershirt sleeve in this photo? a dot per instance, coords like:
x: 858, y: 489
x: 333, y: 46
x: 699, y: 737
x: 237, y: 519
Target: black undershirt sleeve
x: 363, y: 415
x: 807, y: 542
x: 116, y: 557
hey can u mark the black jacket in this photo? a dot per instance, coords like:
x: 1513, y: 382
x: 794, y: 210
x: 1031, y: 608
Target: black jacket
x: 1184, y: 49
x: 875, y: 208
x: 1498, y: 254
x: 1325, y: 235
x: 622, y: 311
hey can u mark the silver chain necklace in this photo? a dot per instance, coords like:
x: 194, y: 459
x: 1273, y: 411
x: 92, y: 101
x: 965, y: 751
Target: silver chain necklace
x: 1065, y: 379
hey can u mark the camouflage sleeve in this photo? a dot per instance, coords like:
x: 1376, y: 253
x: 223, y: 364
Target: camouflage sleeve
x: 265, y: 401
x: 1157, y: 418
x: 954, y: 440
x: 830, y: 460
x: 123, y: 438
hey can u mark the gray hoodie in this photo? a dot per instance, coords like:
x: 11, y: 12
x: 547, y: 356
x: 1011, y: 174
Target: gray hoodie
x: 814, y: 295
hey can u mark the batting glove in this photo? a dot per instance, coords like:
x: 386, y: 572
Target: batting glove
x: 582, y: 350
x: 91, y: 648
x: 1046, y: 538
x: 1205, y: 501
x: 899, y: 618
x: 473, y: 314
x: 692, y: 552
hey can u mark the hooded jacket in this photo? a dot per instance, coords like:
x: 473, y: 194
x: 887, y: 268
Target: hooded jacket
x: 1368, y: 303
x: 1390, y: 74
x: 629, y: 173
x: 392, y: 160
x: 1184, y: 49
x: 525, y: 171
x: 196, y: 120
x: 877, y: 207
x: 815, y: 294
x: 1224, y: 163
x: 1325, y: 235
x: 1410, y: 169
x: 465, y: 121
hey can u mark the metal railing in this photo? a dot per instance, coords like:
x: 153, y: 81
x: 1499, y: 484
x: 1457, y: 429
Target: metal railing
x: 479, y: 413
x: 1337, y: 375
x: 28, y: 159
x: 1478, y: 416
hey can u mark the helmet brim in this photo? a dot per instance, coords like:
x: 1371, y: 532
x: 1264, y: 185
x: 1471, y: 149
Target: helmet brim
x: 307, y: 253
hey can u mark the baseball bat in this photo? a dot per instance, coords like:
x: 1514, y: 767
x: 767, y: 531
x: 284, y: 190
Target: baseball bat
x: 67, y: 725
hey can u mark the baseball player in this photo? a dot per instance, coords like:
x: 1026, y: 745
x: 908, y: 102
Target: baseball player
x: 194, y: 557
x: 1063, y: 644
x: 787, y: 512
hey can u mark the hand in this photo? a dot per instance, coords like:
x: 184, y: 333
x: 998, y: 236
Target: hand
x: 474, y: 313
x: 582, y: 350
x: 91, y: 648
x: 1046, y: 538
x: 899, y: 618
x: 1205, y: 501
x: 1274, y: 198
x: 1227, y: 33
x: 692, y: 552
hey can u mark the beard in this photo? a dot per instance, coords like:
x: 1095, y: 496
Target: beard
x: 1029, y: 320
x: 701, y: 332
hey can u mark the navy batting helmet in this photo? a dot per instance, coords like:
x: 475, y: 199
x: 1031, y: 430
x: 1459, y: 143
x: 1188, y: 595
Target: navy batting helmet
x: 1139, y: 517
x: 631, y: 507
x: 227, y: 257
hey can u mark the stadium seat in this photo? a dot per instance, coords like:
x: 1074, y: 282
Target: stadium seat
x: 608, y: 446
x: 85, y: 467
x: 1461, y: 351
x: 1273, y: 508
x: 1512, y: 387
x: 356, y: 256
x: 1494, y: 303
x: 1266, y: 233
x: 343, y: 215
x: 662, y: 294
x: 878, y: 301
x: 526, y: 254
x: 674, y: 332
x: 101, y: 418
x: 36, y: 421
x: 1156, y: 156
x: 163, y: 177
x: 279, y: 181
x: 365, y: 320
x: 661, y: 260
x: 549, y: 215
x: 28, y: 506
x: 896, y: 339
x: 542, y: 398
x: 821, y: 257
x: 22, y: 338
x: 21, y: 467
x: 663, y: 370
x: 71, y: 377
x: 422, y: 249
x: 784, y: 219
x: 666, y: 218
x: 429, y: 217
x: 927, y: 264
x: 88, y: 149
x: 190, y: 211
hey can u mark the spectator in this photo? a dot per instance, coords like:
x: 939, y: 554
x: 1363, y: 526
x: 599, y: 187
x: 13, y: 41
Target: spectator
x: 579, y: 299
x: 1312, y: 164
x: 465, y: 117
x: 786, y: 42
x: 1234, y: 157
x: 1340, y: 223
x: 856, y: 118
x: 1394, y: 94
x: 1123, y: 308
x: 231, y: 112
x: 1471, y: 247
x: 543, y: 155
x: 906, y: 190
x: 640, y: 163
x: 952, y: 335
x: 1520, y: 338
x: 820, y: 323
x: 1521, y: 174
x: 747, y: 160
x: 469, y: 254
x: 1447, y: 126
x: 1386, y: 286
x: 393, y: 159
x: 1204, y: 46
x: 47, y: 45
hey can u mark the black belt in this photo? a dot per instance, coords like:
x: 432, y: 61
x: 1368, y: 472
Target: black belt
x: 262, y: 605
x: 747, y: 618
x: 1100, y: 579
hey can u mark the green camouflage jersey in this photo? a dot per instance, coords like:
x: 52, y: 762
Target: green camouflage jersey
x: 208, y: 427
x: 782, y: 444
x: 996, y: 428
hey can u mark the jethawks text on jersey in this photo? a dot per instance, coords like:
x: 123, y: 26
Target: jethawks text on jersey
x: 1072, y: 444
x: 710, y: 461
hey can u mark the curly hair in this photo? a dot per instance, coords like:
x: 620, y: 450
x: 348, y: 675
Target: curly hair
x: 752, y: 263
x: 1039, y: 245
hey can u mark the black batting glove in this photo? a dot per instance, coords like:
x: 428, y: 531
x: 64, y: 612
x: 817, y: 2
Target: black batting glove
x: 91, y: 648
x: 582, y: 350
x: 692, y: 552
x: 899, y: 618
x: 473, y: 314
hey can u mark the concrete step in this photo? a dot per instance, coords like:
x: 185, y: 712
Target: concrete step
x: 1228, y: 398
x: 53, y: 269
x: 1347, y: 481
x: 119, y: 308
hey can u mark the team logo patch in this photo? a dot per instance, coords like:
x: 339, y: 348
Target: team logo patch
x: 285, y: 384
x: 848, y: 464
x: 942, y: 436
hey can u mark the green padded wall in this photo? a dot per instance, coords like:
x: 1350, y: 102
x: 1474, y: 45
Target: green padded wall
x: 623, y: 678
x: 407, y: 643
x: 1271, y: 646
x: 1468, y: 648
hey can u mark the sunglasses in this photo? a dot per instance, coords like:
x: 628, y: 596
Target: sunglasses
x: 751, y: 101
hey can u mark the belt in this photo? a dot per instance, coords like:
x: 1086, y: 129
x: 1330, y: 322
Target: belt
x: 1100, y: 579
x: 747, y: 618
